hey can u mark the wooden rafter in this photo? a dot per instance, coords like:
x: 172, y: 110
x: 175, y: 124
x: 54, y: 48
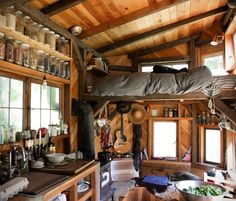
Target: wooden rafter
x: 120, y: 68
x: 43, y: 19
x: 5, y: 3
x: 168, y: 27
x: 163, y: 46
x: 164, y: 60
x: 153, y: 8
x: 60, y: 6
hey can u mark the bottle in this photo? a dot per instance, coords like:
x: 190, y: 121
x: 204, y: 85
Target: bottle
x: 10, y: 17
x: 19, y: 22
x: 2, y: 46
x: 61, y: 124
x: 170, y: 112
x: 51, y: 148
x: 199, y: 119
x: 14, y: 157
x: 27, y: 25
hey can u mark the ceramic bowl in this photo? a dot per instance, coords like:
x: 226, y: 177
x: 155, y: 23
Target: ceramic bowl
x: 56, y: 158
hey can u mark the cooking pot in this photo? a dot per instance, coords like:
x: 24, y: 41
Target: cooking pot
x: 104, y: 156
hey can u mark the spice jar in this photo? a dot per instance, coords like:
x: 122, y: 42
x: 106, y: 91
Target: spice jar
x: 33, y: 58
x: 199, y: 119
x: 41, y: 34
x: 47, y: 37
x: 175, y: 112
x: 63, y: 46
x: 18, y: 52
x: 34, y: 31
x: 26, y: 55
x: 165, y: 112
x: 52, y: 40
x: 27, y: 25
x: 53, y: 65
x: 19, y: 22
x: 40, y: 60
x: 2, y: 46
x: 203, y: 120
x: 67, y: 67
x: 170, y: 112
x: 10, y: 17
x: 63, y: 70
x: 9, y: 54
x: 47, y: 63
x: 3, y: 19
x: 58, y: 66
x: 58, y: 42
x: 67, y: 48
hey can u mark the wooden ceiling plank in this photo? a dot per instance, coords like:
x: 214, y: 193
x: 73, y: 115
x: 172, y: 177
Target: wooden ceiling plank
x: 162, y: 46
x: 153, y: 8
x: 226, y: 110
x: 46, y: 21
x: 168, y: 27
x: 60, y: 6
x: 165, y: 60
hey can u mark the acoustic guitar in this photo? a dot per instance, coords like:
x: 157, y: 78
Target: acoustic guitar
x: 121, y: 145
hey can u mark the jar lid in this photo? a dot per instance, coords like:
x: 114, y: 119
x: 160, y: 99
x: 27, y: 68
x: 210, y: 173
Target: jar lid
x: 63, y: 38
x: 40, y: 51
x: 9, y: 38
x: 34, y: 24
x: 51, y: 32
x: 26, y: 17
x: 1, y: 34
x: 17, y: 41
x: 18, y: 12
x: 25, y: 46
x: 46, y: 29
x: 57, y: 35
x: 40, y: 26
x: 66, y: 41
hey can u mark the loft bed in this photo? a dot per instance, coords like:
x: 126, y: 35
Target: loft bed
x: 195, y: 84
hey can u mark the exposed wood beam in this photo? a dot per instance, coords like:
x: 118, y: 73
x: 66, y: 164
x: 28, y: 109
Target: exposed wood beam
x: 192, y: 53
x: 120, y: 68
x: 227, y: 94
x: 194, y: 137
x: 60, y: 6
x: 168, y: 27
x: 46, y: 21
x: 153, y: 8
x: 226, y: 110
x: 163, y: 46
x: 164, y: 60
x: 227, y: 16
x: 5, y: 3
x: 200, y: 42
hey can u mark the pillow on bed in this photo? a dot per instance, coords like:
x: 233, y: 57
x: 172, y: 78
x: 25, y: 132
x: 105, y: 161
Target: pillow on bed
x: 165, y: 69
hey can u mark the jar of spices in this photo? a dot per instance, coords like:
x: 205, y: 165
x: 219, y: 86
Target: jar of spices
x: 67, y: 67
x: 33, y: 58
x: 34, y: 31
x: 2, y: 46
x: 26, y: 54
x: 63, y: 70
x: 27, y: 26
x: 170, y: 112
x: 52, y: 40
x: 10, y: 17
x: 67, y: 48
x: 40, y: 60
x: 19, y: 22
x: 199, y: 119
x: 60, y: 70
x: 175, y: 112
x: 203, y: 120
x: 166, y: 114
x: 47, y: 63
x: 63, y: 46
x: 212, y: 121
x: 9, y: 54
x: 3, y: 19
x: 18, y: 52
x: 208, y: 118
x: 47, y: 37
x: 58, y: 61
x: 58, y: 43
x: 41, y: 34
x: 53, y: 65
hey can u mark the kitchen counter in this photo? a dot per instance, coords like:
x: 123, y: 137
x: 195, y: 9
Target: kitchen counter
x: 69, y: 183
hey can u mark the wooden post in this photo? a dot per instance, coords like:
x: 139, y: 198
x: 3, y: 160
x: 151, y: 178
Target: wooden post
x: 192, y: 54
x: 194, y: 135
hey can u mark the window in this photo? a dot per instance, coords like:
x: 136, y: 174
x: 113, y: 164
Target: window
x: 234, y: 39
x: 175, y: 66
x: 215, y: 63
x: 213, y: 146
x: 45, y: 106
x: 11, y: 103
x: 165, y: 143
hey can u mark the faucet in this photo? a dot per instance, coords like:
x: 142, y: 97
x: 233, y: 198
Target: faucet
x: 13, y: 148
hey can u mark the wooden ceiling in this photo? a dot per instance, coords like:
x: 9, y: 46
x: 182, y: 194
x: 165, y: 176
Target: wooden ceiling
x: 118, y: 27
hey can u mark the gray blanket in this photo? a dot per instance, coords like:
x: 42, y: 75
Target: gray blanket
x: 142, y: 84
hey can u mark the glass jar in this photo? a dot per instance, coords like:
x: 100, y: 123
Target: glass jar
x: 40, y: 60
x: 3, y: 19
x: 41, y: 34
x: 199, y: 119
x: 165, y: 114
x: 64, y: 70
x: 47, y: 62
x: 18, y: 52
x: 26, y: 54
x: 67, y: 67
x: 27, y: 25
x: 9, y: 54
x: 58, y: 66
x: 34, y: 31
x: 33, y: 58
x: 58, y: 42
x: 63, y: 46
x: 203, y: 120
x: 52, y: 40
x: 67, y: 48
x: 19, y: 22
x: 61, y: 68
x: 170, y: 112
x: 2, y: 46
x: 53, y: 65
x: 47, y: 37
x: 10, y: 17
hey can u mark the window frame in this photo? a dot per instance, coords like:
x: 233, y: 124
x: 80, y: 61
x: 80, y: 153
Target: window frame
x: 177, y: 137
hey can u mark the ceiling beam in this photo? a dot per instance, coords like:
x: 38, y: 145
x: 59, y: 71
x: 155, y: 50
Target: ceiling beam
x: 120, y: 68
x: 60, y: 6
x: 153, y: 8
x: 168, y: 27
x: 5, y: 3
x: 162, y: 46
x: 164, y: 60
x: 46, y: 21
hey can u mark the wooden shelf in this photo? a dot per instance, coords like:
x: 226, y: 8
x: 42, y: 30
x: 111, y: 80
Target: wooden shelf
x: 85, y: 195
x: 208, y: 126
x: 21, y: 70
x: 96, y: 70
x: 34, y: 44
x: 171, y: 118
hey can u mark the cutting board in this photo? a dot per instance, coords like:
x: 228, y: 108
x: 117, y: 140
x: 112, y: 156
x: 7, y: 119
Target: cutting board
x: 70, y: 168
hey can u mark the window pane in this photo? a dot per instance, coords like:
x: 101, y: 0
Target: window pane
x: 165, y: 142
x: 35, y: 119
x: 215, y: 64
x: 55, y: 98
x: 16, y: 94
x: 4, y: 117
x: 45, y: 121
x: 4, y: 92
x: 45, y: 97
x: 35, y: 96
x: 212, y: 140
x: 16, y: 119
x: 55, y: 117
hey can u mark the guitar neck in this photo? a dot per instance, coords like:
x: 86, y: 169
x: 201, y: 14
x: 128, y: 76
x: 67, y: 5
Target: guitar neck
x: 122, y: 124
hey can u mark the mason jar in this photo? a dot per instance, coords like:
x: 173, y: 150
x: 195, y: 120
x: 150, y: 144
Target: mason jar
x: 40, y: 60
x: 58, y: 66
x: 67, y: 69
x: 27, y: 26
x: 47, y: 62
x: 61, y: 67
x: 26, y: 54
x: 2, y: 46
x: 34, y: 31
x: 19, y: 22
x: 41, y: 34
x: 52, y: 40
x: 10, y: 17
x: 53, y: 65
x: 58, y: 42
x: 33, y: 58
x: 67, y: 47
x: 63, y: 46
x: 47, y: 37
x: 9, y: 54
x: 18, y: 52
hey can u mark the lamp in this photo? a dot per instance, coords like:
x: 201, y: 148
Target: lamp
x: 218, y: 39
x: 76, y: 30
x: 44, y: 82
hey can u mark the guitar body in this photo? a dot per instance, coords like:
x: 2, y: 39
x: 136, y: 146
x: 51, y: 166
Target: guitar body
x: 121, y: 145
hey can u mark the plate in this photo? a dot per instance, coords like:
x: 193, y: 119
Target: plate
x: 82, y: 187
x: 58, y: 164
x: 37, y: 167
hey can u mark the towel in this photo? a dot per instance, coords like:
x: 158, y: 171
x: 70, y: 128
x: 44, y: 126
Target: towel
x: 156, y: 180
